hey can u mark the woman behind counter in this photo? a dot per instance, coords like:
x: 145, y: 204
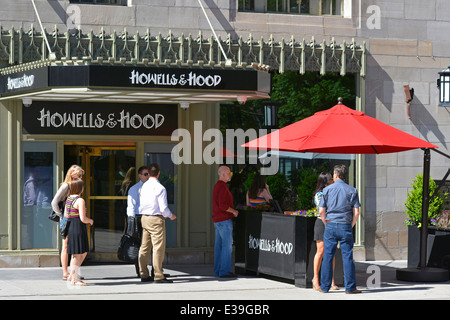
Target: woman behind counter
x: 259, y: 193
x: 323, y: 180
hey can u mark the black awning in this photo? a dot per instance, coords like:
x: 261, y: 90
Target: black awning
x: 199, y: 82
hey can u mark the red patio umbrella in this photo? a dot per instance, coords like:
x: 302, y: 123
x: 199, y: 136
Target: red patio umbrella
x: 344, y: 130
x: 339, y: 130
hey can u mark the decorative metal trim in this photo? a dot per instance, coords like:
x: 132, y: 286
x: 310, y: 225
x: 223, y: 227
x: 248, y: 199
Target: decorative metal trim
x: 18, y: 47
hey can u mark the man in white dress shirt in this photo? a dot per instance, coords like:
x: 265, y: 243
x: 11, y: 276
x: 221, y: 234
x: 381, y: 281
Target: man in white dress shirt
x: 133, y: 192
x: 154, y: 210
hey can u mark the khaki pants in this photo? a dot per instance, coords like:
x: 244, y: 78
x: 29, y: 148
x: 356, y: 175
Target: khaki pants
x: 153, y: 236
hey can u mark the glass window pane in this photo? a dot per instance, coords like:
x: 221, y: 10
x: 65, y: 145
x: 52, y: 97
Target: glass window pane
x: 326, y: 6
x: 337, y: 7
x: 272, y: 5
x: 304, y: 6
x: 294, y: 6
x: 39, y: 187
x: 447, y: 92
x: 246, y: 5
x: 112, y: 2
x: 249, y: 5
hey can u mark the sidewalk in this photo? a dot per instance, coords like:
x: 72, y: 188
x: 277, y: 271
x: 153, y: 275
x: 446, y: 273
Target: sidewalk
x: 197, y: 282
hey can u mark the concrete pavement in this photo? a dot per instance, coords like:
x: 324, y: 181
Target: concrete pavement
x: 376, y: 279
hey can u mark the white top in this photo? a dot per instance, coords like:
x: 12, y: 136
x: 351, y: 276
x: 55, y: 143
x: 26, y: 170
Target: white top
x: 153, y: 199
x: 133, y: 199
x: 60, y: 195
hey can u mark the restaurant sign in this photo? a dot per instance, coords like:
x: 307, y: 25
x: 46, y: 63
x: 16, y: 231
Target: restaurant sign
x: 24, y: 81
x: 190, y: 79
x: 270, y: 244
x: 99, y: 118
x: 167, y: 78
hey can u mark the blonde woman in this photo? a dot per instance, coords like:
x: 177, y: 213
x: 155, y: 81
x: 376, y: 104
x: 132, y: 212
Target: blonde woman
x: 77, y: 242
x: 74, y: 173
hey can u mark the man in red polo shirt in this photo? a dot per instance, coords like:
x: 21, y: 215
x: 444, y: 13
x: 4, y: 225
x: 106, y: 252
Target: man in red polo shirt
x: 223, y: 213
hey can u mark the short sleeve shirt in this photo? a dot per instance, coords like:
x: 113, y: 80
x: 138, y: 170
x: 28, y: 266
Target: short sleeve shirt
x: 339, y: 199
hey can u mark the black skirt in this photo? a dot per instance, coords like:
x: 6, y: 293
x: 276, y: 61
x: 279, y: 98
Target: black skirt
x: 77, y: 242
x: 319, y: 229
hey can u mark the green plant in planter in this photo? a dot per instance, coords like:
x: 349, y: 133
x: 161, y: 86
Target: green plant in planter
x: 414, y: 203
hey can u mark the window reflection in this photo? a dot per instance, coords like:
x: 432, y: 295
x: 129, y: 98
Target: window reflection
x: 37, y: 231
x: 313, y: 7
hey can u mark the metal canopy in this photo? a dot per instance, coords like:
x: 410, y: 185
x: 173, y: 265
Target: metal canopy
x: 302, y: 55
x: 73, y: 48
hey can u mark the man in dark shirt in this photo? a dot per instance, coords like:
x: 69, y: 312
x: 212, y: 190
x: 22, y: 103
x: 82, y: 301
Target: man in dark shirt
x: 339, y: 210
x: 223, y: 213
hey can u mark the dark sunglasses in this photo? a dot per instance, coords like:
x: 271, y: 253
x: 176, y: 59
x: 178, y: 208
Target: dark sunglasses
x: 145, y: 174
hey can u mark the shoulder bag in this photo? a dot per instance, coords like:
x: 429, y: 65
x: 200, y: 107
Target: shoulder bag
x: 53, y: 215
x: 128, y: 249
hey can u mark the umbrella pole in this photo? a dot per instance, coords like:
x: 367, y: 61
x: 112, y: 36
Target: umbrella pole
x: 423, y: 273
x: 425, y: 206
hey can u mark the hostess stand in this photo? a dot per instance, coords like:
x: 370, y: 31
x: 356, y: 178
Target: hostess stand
x: 280, y: 246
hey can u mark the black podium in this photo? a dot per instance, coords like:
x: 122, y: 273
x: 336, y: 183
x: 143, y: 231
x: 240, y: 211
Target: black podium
x: 279, y: 245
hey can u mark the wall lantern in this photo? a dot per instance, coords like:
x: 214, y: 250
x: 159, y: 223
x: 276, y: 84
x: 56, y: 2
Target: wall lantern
x: 444, y: 88
x: 271, y: 115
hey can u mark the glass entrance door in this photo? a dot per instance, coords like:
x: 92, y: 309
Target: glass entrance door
x: 109, y: 172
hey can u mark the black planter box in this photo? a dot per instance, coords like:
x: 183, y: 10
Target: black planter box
x: 438, y: 247
x: 280, y: 246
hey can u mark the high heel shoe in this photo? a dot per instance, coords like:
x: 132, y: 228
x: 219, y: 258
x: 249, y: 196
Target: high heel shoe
x: 315, y: 288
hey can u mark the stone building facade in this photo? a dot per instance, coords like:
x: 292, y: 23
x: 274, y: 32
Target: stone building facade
x: 386, y: 44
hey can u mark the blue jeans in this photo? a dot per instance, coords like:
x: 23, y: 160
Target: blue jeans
x: 335, y: 232
x: 223, y: 247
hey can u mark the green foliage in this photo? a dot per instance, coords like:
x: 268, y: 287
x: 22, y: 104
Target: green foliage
x: 250, y: 115
x: 304, y: 95
x: 305, y: 189
x: 414, y: 203
x: 304, y: 181
x: 248, y: 182
x: 300, y: 96
x: 277, y: 185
